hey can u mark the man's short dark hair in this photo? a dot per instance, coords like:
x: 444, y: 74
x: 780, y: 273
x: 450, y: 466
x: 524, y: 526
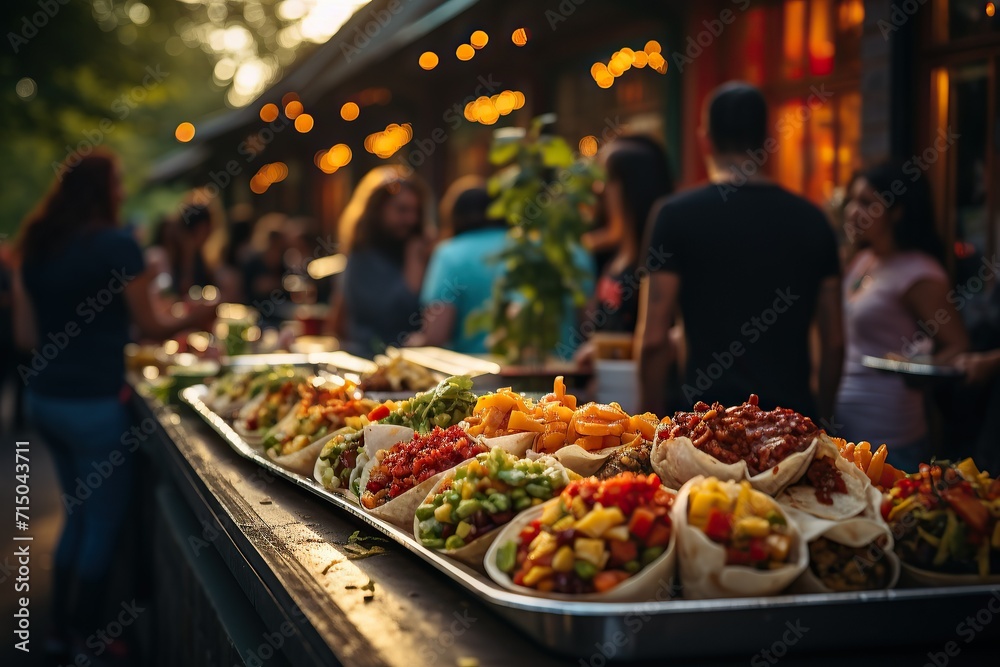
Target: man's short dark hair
x: 737, y: 118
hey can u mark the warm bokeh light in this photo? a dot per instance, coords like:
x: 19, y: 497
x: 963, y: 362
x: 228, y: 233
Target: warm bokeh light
x: 640, y: 59
x: 258, y: 185
x: 488, y: 110
x: 465, y: 52
x: 324, y: 163
x: 288, y: 98
x: 479, y: 39
x: 304, y: 123
x: 605, y: 80
x: 269, y: 112
x: 652, y: 46
x: 385, y: 143
x: 519, y: 37
x: 991, y: 9
x: 267, y: 175
x: 588, y: 146
x: 339, y: 155
x: 428, y: 60
x: 293, y: 109
x: 658, y: 63
x: 349, y: 111
x: 26, y: 88
x: 184, y: 132
x: 505, y: 102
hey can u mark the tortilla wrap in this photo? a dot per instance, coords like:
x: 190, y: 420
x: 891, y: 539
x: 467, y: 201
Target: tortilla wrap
x: 473, y: 552
x: 401, y: 510
x: 859, y: 531
x: 702, y: 562
x: 252, y: 438
x: 677, y: 461
x: 582, y: 461
x: 303, y: 461
x: 656, y: 576
x: 376, y: 438
x: 339, y: 438
x: 517, y: 444
x: 802, y: 496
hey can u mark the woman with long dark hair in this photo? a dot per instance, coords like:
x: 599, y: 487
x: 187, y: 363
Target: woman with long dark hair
x: 637, y: 175
x: 82, y: 281
x: 895, y: 304
x: 382, y: 233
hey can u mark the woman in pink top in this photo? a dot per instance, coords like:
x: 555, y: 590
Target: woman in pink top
x: 895, y: 304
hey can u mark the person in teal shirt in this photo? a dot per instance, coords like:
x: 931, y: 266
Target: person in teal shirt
x: 461, y: 275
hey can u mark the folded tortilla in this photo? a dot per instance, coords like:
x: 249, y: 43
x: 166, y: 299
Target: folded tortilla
x: 677, y: 461
x: 859, y: 531
x: 802, y: 496
x: 702, y: 562
x: 473, y: 552
x: 303, y: 461
x: 640, y: 587
x: 320, y: 467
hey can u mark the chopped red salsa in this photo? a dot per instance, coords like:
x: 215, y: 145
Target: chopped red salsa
x: 406, y: 464
x: 762, y: 438
x: 824, y: 476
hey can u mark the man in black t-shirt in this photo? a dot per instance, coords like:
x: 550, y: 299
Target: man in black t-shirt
x: 751, y: 266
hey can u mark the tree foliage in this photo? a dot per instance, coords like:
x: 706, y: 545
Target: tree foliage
x: 545, y: 195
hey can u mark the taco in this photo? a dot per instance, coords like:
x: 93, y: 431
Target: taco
x: 399, y: 477
x: 610, y: 540
x: 769, y: 448
x: 461, y: 514
x: 734, y: 541
x: 832, y: 488
x: 854, y: 554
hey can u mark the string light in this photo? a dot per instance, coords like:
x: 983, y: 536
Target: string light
x: 184, y: 132
x: 428, y: 60
x: 269, y: 112
x: 349, y: 111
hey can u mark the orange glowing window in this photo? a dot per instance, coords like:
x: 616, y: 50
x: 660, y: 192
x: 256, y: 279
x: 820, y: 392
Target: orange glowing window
x: 794, y: 38
x: 821, y: 48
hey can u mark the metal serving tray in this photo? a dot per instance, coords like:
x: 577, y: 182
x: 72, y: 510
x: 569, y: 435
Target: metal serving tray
x: 669, y: 629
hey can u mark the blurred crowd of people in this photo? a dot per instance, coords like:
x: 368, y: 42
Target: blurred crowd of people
x: 732, y: 288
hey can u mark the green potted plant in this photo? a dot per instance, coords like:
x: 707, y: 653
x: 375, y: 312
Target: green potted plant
x: 546, y: 196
